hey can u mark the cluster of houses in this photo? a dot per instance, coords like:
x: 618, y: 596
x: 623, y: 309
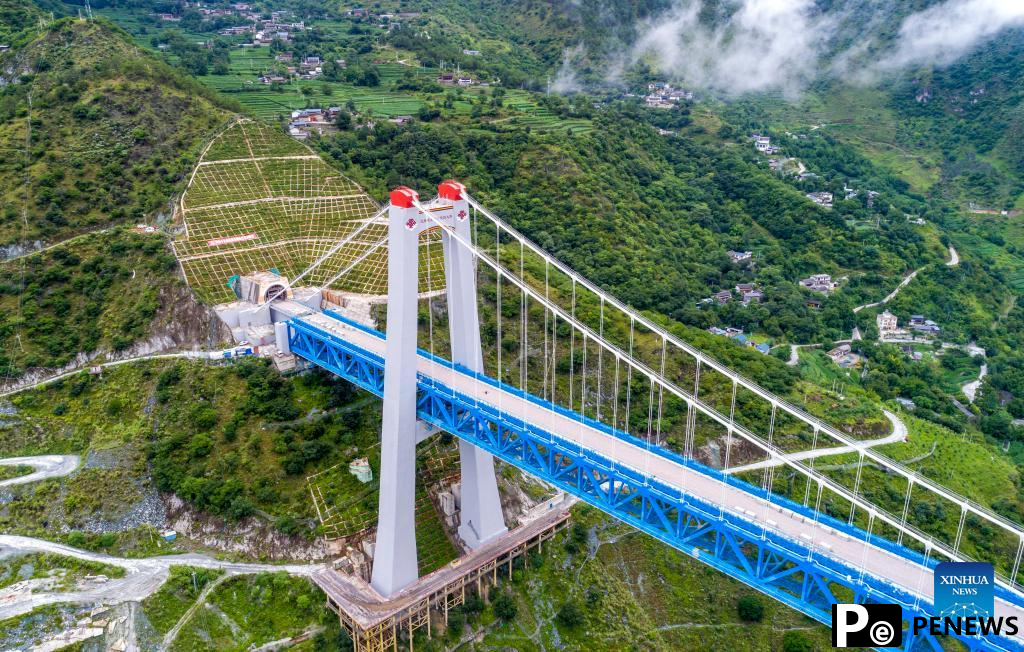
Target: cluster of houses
x: 819, y: 283
x: 851, y: 193
x: 888, y: 325
x: 305, y: 121
x: 281, y: 24
x: 736, y: 334
x: 661, y: 95
x: 822, y: 198
x: 763, y: 144
x: 304, y: 68
x: 457, y: 79
x: 390, y: 18
x: 748, y: 294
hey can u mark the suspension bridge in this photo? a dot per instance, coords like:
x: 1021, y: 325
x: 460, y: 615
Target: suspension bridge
x: 525, y: 360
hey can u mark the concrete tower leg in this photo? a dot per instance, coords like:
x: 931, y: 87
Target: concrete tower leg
x: 394, y: 558
x: 481, y: 518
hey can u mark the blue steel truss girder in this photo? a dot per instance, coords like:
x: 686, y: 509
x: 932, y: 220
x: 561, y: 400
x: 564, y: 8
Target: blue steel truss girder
x: 783, y: 569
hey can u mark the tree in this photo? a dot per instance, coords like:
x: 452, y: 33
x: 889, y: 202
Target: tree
x: 750, y: 609
x: 570, y: 615
x: 505, y: 607
x: 794, y: 641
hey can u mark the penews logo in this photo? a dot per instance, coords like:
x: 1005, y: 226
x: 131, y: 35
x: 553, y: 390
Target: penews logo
x: 867, y: 625
x: 964, y: 589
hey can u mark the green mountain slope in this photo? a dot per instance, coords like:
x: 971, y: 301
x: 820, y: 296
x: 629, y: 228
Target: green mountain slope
x: 94, y: 132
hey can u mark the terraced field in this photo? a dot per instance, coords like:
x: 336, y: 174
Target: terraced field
x: 1012, y: 264
x: 541, y: 119
x: 272, y: 103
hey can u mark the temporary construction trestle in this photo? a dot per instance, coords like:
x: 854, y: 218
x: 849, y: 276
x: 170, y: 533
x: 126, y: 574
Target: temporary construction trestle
x: 375, y: 624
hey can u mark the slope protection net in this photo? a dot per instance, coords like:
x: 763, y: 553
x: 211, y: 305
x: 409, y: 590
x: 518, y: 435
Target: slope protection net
x: 259, y: 200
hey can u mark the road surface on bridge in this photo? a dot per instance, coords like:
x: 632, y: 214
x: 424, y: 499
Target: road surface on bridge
x: 899, y: 571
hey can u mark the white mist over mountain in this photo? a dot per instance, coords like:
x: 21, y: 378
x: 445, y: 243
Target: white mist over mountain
x: 942, y: 34
x: 764, y: 44
x: 783, y: 44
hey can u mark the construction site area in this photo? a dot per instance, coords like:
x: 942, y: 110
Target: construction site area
x: 269, y: 233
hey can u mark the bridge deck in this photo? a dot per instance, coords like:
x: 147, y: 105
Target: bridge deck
x: 878, y: 562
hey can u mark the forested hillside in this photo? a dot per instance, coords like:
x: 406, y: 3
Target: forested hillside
x: 651, y: 217
x: 95, y: 132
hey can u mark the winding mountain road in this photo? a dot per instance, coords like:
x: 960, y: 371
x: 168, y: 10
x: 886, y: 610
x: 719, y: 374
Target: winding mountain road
x: 954, y: 258
x: 142, y: 578
x: 892, y: 295
x: 899, y: 433
x: 47, y: 466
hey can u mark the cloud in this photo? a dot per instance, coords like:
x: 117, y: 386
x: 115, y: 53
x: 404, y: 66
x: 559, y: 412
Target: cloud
x: 566, y: 79
x: 782, y: 45
x: 764, y: 44
x: 945, y: 32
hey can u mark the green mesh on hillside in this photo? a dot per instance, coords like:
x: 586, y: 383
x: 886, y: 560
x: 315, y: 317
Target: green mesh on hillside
x: 260, y: 200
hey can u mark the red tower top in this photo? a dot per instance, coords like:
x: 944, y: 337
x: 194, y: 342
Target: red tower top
x: 403, y: 197
x: 451, y: 190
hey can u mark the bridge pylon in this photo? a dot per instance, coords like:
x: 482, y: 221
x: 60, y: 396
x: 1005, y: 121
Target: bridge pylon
x: 395, y: 563
x: 480, y: 515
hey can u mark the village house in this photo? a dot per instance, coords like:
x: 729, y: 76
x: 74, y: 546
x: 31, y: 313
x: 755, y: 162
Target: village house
x: 235, y: 31
x: 739, y: 256
x: 763, y: 144
x: 813, y: 304
x: 819, y: 283
x: 822, y: 198
x: 722, y: 297
x: 843, y: 356
x: 401, y: 119
x: 839, y: 352
x: 471, y: 53
x: 749, y: 293
x: 887, y: 322
x: 656, y: 102
x: 922, y: 325
x: 284, y: 58
x: 753, y: 296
